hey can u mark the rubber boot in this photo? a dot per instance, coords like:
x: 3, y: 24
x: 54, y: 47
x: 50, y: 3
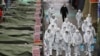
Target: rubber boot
x: 66, y: 54
x: 90, y: 54
x: 69, y: 54
x: 50, y: 52
x: 76, y: 54
x: 57, y: 53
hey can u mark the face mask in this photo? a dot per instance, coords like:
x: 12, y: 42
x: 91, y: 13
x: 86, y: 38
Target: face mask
x: 66, y: 32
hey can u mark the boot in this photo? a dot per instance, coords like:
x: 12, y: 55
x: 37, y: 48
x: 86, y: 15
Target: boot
x: 57, y: 54
x: 75, y: 54
x: 69, y: 54
x: 90, y: 54
x: 66, y: 54
x: 86, y: 52
x: 50, y: 52
x: 60, y: 52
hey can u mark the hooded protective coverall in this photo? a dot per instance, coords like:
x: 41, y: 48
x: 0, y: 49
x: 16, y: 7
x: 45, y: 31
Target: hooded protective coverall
x: 79, y: 16
x: 77, y: 41
x: 52, y: 25
x: 67, y: 39
x: 46, y: 43
x: 66, y: 24
x: 63, y: 25
x: 63, y: 43
x: 58, y: 39
x: 51, y: 11
x: 72, y: 28
x: 50, y: 39
x: 92, y: 29
x: 53, y: 28
x: 53, y: 19
x: 89, y: 18
x: 88, y: 41
x: 84, y: 26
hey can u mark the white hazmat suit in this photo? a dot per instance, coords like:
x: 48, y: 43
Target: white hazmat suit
x: 72, y: 28
x: 89, y: 18
x: 77, y: 41
x: 51, y: 40
x: 53, y: 27
x: 46, y: 43
x: 84, y: 26
x: 51, y: 11
x: 88, y: 41
x: 92, y: 29
x: 79, y: 16
x: 67, y: 39
x: 64, y: 24
x: 58, y: 39
x: 53, y: 19
x: 62, y: 32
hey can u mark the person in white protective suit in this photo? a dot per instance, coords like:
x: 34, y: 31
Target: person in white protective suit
x: 76, y: 42
x: 88, y: 41
x: 89, y: 18
x: 63, y: 25
x: 67, y: 39
x: 79, y: 16
x: 58, y: 42
x: 46, y: 42
x: 72, y: 28
x: 63, y: 43
x: 92, y: 29
x: 66, y: 24
x: 51, y: 11
x: 50, y: 38
x: 84, y: 26
x: 53, y: 27
x: 53, y: 19
x: 66, y: 20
